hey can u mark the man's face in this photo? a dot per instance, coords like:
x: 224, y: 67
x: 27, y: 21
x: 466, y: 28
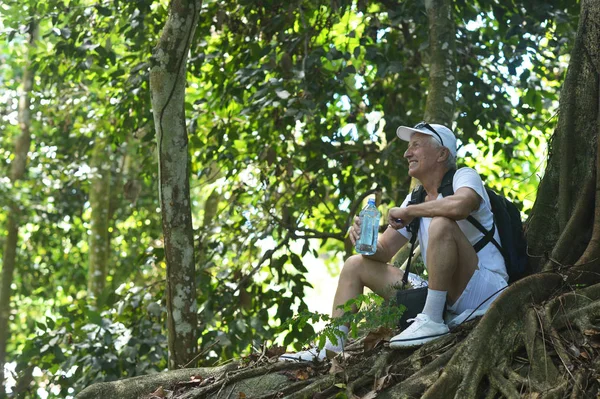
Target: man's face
x: 422, y: 155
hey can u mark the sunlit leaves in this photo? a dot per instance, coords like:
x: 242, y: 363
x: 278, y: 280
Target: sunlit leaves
x: 291, y: 112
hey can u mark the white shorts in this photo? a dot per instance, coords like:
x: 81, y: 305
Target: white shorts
x: 483, y: 284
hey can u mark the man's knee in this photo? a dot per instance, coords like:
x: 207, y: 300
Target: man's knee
x: 442, y: 227
x: 352, y: 264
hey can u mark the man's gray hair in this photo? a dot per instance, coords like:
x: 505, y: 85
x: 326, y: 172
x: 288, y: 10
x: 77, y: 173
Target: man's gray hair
x: 451, y: 161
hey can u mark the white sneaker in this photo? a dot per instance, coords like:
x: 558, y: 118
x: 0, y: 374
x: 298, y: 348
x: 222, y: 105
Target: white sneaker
x: 310, y: 355
x: 422, y: 330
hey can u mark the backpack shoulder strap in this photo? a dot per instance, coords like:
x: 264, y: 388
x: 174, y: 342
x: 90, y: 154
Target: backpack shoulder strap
x: 445, y: 187
x: 417, y: 196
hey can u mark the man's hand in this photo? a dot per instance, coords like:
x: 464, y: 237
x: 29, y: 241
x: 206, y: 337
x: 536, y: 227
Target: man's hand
x: 355, y: 230
x: 399, y: 218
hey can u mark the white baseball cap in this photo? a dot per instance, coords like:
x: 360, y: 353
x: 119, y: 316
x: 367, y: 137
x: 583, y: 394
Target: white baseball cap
x: 441, y: 133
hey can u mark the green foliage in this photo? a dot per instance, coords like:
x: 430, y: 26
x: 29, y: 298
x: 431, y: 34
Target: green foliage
x: 78, y: 346
x: 373, y: 312
x: 291, y: 111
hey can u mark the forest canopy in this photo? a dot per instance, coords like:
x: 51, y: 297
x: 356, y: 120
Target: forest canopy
x: 290, y: 115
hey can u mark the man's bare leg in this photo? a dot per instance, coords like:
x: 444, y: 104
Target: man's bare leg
x: 451, y: 262
x: 359, y: 272
x: 451, y: 259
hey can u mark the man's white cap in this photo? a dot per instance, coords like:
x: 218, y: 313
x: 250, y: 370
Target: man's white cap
x: 441, y: 133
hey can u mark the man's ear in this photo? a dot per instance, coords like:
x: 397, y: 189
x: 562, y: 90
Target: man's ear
x: 444, y: 154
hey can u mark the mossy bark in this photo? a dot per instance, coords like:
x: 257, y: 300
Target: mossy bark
x: 572, y: 157
x: 441, y: 96
x: 167, y: 85
x: 99, y: 246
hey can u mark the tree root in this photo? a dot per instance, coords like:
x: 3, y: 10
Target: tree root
x: 512, y: 351
x: 316, y: 386
x: 422, y: 356
x: 593, y: 248
x: 503, y: 385
x: 494, y: 338
x: 295, y: 387
x: 139, y: 387
x: 580, y: 216
x: 557, y: 392
x: 542, y: 370
x: 416, y: 384
x: 231, y: 377
x: 573, y: 300
x: 371, y: 375
x: 491, y: 393
x: 517, y: 379
x: 584, y: 318
x: 578, y: 385
x: 585, y: 274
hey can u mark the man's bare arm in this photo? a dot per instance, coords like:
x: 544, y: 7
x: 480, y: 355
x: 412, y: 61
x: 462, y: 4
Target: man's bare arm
x: 456, y: 207
x: 388, y: 244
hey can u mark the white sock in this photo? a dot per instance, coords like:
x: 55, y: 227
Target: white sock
x: 342, y: 334
x: 434, y: 305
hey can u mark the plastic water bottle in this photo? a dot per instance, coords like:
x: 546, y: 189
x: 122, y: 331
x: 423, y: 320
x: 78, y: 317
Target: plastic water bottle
x: 369, y: 229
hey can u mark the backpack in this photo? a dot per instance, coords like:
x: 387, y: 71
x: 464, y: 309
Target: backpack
x: 507, y: 219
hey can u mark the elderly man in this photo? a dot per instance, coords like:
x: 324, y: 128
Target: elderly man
x: 458, y: 275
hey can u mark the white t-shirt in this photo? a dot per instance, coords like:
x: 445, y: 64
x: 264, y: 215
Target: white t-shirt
x: 489, y: 256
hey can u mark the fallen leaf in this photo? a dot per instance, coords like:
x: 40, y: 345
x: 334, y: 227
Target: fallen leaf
x: 159, y: 393
x: 591, y: 332
x: 381, y: 383
x: 336, y: 367
x: 341, y: 386
x: 301, y: 375
x: 242, y: 395
x: 275, y: 351
x: 584, y: 355
x: 375, y: 337
x: 197, y: 378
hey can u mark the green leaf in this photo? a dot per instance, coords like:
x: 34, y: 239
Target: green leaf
x: 94, y: 317
x: 297, y: 262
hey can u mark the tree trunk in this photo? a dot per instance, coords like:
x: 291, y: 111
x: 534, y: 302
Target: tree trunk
x: 167, y: 85
x: 17, y: 172
x: 441, y: 91
x: 99, y: 246
x: 563, y: 217
x: 539, y: 338
x: 441, y: 96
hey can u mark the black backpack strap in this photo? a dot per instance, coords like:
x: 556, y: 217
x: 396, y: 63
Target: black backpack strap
x: 446, y: 189
x: 410, y: 256
x: 417, y: 197
x: 488, y: 235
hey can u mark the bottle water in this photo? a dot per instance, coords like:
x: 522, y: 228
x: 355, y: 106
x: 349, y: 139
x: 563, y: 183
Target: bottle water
x: 369, y: 229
